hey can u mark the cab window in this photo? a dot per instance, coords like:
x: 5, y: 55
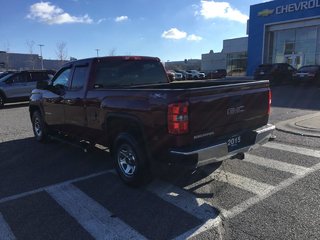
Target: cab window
x: 79, y: 77
x: 62, y: 78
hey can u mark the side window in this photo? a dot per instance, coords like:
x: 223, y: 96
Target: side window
x: 79, y: 77
x: 38, y: 76
x: 62, y: 78
x: 20, y: 78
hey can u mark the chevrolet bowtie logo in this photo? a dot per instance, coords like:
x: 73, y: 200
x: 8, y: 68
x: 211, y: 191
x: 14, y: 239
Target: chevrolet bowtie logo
x: 266, y: 12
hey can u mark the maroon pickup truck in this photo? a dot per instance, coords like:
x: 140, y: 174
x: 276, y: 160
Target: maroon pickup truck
x: 129, y: 105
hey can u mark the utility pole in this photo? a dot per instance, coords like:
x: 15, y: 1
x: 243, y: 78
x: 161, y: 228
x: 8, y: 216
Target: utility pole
x: 97, y: 49
x: 41, y: 45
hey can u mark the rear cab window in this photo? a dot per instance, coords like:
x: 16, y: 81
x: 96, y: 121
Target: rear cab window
x: 120, y: 72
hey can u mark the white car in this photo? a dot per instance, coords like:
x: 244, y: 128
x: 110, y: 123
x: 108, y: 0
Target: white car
x: 176, y: 76
x: 196, y: 74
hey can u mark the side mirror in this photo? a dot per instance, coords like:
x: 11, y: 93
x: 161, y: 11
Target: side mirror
x: 42, y: 84
x: 59, y: 89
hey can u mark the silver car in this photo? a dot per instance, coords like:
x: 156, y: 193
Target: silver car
x: 17, y: 86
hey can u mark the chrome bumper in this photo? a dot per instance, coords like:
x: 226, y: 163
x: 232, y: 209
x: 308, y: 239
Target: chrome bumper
x: 219, y: 152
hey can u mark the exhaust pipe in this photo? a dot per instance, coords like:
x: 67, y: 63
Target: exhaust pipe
x: 239, y: 156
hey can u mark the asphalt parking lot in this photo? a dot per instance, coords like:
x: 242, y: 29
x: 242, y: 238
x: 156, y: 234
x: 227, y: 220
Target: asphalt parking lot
x: 57, y: 191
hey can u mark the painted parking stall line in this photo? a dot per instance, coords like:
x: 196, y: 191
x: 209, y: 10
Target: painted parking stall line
x: 293, y: 149
x: 244, y: 183
x: 41, y: 189
x: 187, y: 202
x: 5, y: 231
x: 183, y: 200
x: 281, y: 166
x: 231, y: 213
x: 97, y: 220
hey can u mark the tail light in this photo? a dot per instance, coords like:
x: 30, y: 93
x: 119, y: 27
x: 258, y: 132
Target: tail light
x: 178, y: 118
x: 269, y: 101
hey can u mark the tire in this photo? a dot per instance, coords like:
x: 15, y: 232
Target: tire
x: 130, y: 160
x: 2, y: 99
x: 40, y: 128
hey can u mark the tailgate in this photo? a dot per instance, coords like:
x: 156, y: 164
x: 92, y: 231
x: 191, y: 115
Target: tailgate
x: 227, y: 110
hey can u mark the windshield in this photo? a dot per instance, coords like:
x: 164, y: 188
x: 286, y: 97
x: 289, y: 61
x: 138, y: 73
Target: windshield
x: 309, y: 69
x: 4, y: 78
x: 265, y: 67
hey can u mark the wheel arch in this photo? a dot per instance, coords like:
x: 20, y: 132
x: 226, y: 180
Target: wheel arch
x: 34, y: 108
x: 117, y: 123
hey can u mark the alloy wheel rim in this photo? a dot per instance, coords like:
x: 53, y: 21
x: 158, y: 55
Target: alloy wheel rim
x: 37, y: 127
x: 127, y: 160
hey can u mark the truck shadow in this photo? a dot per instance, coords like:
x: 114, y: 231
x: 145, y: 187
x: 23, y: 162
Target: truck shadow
x: 26, y: 165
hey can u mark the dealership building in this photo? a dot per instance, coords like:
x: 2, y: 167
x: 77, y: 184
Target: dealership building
x: 286, y: 31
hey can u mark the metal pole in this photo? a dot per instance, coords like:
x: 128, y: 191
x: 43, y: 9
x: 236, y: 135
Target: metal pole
x: 97, y: 49
x: 41, y: 45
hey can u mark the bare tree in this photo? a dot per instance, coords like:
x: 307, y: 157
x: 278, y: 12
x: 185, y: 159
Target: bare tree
x: 30, y: 44
x: 62, y: 53
x: 112, y: 52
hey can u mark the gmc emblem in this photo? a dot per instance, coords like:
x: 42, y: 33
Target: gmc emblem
x: 235, y: 110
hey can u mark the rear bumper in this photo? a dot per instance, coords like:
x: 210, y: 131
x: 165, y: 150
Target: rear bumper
x: 220, y: 151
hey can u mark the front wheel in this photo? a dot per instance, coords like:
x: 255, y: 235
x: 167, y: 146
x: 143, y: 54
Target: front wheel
x: 130, y: 160
x: 39, y: 127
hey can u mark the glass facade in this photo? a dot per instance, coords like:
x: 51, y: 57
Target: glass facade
x: 237, y: 64
x: 298, y: 46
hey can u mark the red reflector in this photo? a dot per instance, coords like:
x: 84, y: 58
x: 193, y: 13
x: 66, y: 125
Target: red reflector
x: 178, y: 119
x: 269, y: 101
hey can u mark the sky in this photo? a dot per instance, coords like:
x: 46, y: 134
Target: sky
x: 169, y: 29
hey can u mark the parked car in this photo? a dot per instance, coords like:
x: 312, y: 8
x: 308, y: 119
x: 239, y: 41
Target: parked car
x: 218, y: 73
x: 171, y: 75
x: 128, y: 105
x: 308, y: 74
x: 277, y: 73
x: 17, y: 86
x: 237, y: 72
x: 175, y: 75
x: 3, y: 74
x: 185, y: 74
x: 195, y: 74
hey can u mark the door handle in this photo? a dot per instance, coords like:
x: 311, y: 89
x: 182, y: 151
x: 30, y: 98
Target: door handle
x: 72, y: 101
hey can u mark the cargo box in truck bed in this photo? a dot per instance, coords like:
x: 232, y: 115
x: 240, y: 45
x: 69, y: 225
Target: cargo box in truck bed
x: 129, y: 105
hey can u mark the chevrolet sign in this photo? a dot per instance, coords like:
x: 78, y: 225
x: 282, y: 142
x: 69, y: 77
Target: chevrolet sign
x: 293, y: 7
x: 266, y: 12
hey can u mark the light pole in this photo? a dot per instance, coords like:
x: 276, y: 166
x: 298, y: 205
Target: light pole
x: 41, y: 45
x: 97, y: 49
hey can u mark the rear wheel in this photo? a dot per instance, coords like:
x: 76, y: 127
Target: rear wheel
x: 40, y: 129
x: 130, y: 160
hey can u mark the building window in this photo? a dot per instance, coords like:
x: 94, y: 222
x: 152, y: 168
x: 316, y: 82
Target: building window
x: 299, y: 46
x: 237, y: 64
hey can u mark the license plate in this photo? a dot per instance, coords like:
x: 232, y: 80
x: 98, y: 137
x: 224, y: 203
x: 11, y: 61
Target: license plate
x: 233, y: 142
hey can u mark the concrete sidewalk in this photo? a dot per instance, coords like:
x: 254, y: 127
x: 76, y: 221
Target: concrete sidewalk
x: 308, y: 125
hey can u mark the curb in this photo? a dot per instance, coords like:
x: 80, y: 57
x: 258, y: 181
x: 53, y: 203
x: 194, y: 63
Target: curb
x: 291, y: 126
